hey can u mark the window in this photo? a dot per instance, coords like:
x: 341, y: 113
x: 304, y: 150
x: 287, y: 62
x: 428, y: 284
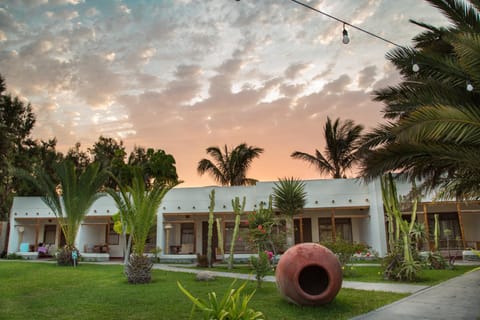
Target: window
x: 241, y: 244
x: 49, y: 234
x: 113, y: 236
x: 343, y: 229
x: 449, y: 229
x: 187, y: 240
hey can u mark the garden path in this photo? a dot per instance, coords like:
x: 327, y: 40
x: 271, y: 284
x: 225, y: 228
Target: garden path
x: 391, y: 287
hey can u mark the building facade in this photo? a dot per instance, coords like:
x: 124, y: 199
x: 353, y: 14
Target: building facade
x: 346, y: 208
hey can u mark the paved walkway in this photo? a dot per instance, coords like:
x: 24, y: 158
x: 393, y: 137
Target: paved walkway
x: 392, y: 287
x: 457, y: 298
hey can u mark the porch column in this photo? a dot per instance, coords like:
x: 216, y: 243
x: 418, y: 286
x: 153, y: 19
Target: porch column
x: 334, y: 231
x: 160, y: 232
x: 107, y: 231
x: 301, y: 228
x: 167, y: 227
x: 425, y: 222
x: 37, y: 231
x: 460, y: 222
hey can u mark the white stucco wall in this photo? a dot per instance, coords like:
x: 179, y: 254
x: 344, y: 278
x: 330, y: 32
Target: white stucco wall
x: 346, y: 196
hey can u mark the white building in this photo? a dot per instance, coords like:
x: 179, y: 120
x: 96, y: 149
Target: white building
x: 344, y: 208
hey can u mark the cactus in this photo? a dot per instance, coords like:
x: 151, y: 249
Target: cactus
x: 402, y: 263
x: 210, y: 227
x: 238, y: 213
x: 220, y: 236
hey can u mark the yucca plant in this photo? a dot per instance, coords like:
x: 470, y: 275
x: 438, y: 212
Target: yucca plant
x: 289, y: 197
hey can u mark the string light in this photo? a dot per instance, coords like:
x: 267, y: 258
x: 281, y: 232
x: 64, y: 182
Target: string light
x: 469, y: 86
x: 345, y: 36
x: 345, y: 39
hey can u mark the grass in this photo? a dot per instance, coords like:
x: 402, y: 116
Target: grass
x: 45, y: 291
x: 425, y: 276
x: 368, y: 273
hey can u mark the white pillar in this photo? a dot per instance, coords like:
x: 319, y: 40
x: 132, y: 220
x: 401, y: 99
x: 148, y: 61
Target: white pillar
x: 160, y: 232
x: 377, y: 233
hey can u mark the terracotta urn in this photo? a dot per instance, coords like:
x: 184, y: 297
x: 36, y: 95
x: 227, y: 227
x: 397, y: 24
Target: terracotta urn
x: 309, y: 274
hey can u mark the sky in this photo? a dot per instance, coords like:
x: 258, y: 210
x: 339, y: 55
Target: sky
x: 184, y: 75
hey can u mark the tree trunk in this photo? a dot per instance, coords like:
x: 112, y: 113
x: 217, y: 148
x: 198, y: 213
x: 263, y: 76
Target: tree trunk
x: 289, y: 232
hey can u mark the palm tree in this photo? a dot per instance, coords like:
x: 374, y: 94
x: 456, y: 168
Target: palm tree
x: 70, y: 198
x: 138, y: 208
x: 340, y: 152
x: 230, y: 167
x: 289, y: 197
x: 434, y: 128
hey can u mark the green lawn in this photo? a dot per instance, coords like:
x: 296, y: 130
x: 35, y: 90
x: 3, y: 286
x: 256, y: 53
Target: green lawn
x: 45, y: 291
x: 369, y: 273
x: 425, y: 276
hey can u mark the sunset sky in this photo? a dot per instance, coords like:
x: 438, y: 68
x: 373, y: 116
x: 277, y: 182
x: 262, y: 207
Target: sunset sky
x: 183, y: 75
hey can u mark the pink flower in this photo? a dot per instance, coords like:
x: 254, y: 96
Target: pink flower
x: 269, y: 254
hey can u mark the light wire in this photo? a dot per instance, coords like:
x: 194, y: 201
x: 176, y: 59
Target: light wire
x: 347, y: 23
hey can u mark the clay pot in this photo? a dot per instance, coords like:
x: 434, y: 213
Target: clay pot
x: 309, y: 274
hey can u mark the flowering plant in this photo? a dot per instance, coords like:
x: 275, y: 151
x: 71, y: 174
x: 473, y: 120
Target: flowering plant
x: 260, y: 224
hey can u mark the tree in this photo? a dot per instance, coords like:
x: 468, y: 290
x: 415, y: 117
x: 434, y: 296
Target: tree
x: 111, y: 156
x: 340, y: 153
x: 138, y: 208
x: 156, y: 164
x: 37, y: 154
x: 80, y: 158
x: 69, y: 198
x: 289, y: 197
x: 230, y: 167
x: 434, y: 127
x: 16, y: 123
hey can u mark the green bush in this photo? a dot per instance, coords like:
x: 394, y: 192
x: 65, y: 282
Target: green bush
x: 262, y: 265
x: 344, y: 250
x: 436, y: 261
x: 202, y: 260
x: 398, y: 268
x: 14, y: 256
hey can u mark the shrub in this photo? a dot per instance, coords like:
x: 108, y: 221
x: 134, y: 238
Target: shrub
x: 262, y: 265
x: 202, y: 260
x: 436, y: 261
x: 398, y: 268
x: 344, y: 250
x: 233, y: 305
x: 14, y: 256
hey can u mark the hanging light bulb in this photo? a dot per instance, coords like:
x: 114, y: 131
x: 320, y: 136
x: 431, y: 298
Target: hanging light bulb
x: 345, y: 39
x: 415, y: 66
x: 469, y: 86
